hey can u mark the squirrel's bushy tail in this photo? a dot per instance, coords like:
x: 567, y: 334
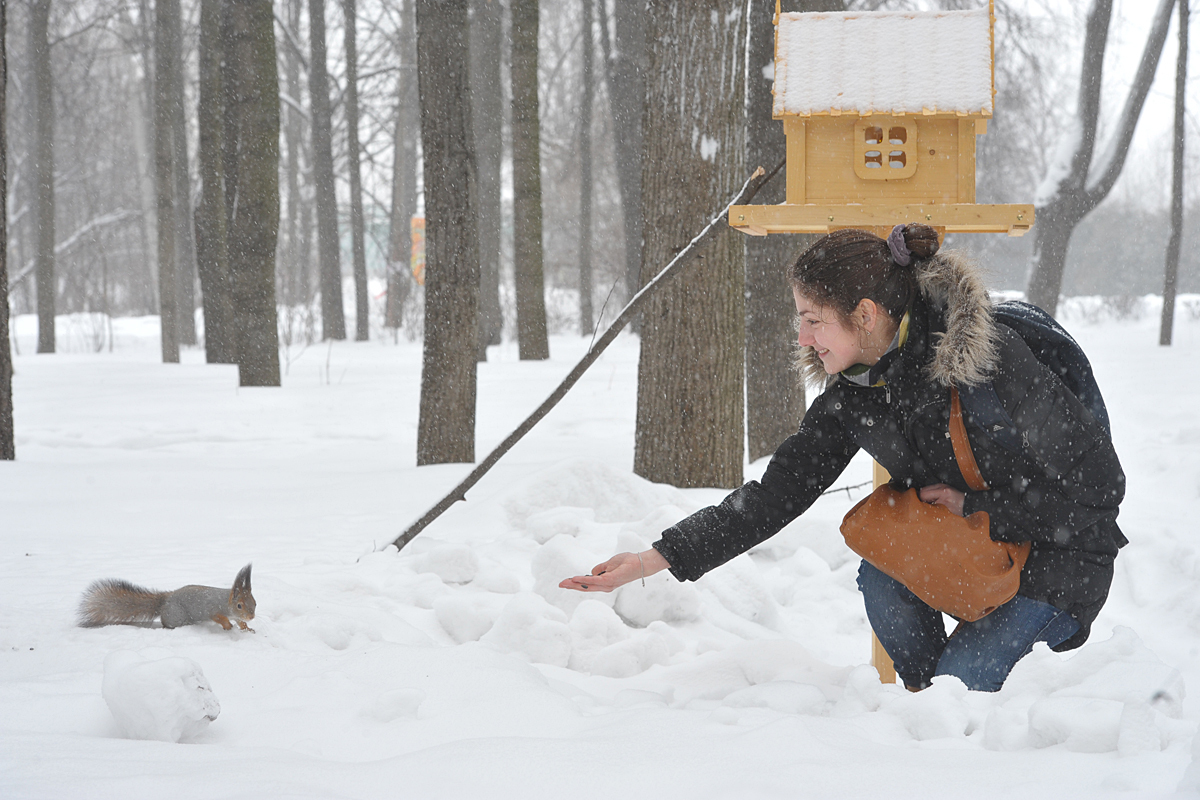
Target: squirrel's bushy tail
x: 117, y: 602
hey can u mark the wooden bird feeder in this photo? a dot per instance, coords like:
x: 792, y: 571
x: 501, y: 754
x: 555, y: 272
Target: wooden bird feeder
x: 881, y: 110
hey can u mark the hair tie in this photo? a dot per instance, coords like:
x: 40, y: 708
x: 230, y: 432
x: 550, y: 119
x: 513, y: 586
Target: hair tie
x: 900, y: 252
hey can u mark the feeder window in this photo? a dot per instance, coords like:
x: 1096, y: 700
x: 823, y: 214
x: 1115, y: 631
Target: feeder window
x: 892, y: 158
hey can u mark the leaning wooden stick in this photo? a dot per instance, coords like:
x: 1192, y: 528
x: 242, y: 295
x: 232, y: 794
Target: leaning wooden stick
x: 755, y: 182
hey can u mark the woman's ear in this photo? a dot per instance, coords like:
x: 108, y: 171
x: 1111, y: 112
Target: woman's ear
x: 867, y: 313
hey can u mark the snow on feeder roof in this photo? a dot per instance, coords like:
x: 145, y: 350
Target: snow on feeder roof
x: 880, y: 111
x: 890, y: 62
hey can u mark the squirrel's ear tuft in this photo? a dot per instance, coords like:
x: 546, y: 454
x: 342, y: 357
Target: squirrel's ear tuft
x: 242, y: 581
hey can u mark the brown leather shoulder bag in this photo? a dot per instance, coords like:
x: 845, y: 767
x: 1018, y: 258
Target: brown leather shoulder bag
x: 948, y: 561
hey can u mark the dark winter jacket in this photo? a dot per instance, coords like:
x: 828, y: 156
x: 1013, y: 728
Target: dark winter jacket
x: 1061, y: 491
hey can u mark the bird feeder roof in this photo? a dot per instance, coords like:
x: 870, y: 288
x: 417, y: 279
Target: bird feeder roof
x: 884, y: 62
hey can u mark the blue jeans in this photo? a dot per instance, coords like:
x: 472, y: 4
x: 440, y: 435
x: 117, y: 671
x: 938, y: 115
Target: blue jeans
x: 980, y: 653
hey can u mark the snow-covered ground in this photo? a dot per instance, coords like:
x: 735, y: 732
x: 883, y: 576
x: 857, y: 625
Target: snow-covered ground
x: 457, y: 669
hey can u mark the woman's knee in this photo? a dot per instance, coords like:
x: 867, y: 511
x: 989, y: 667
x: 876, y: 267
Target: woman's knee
x: 875, y: 583
x: 983, y: 653
x: 880, y: 589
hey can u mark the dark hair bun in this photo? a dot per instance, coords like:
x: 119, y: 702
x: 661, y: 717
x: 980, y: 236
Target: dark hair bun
x: 921, y: 240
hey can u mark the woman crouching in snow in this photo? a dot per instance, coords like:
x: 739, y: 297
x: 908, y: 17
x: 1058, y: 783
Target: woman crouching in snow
x: 897, y: 325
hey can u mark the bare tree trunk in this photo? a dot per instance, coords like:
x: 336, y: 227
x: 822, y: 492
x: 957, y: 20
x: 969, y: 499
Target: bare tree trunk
x: 43, y: 149
x: 404, y: 171
x: 295, y: 265
x: 185, y: 240
x: 446, y: 424
x: 690, y: 374
x: 774, y: 398
x: 586, y: 316
x: 8, y: 450
x: 1171, y: 274
x: 626, y: 76
x: 532, y: 343
x: 254, y: 233
x: 166, y: 25
x: 333, y: 317
x: 487, y: 119
x: 362, y: 295
x: 140, y: 129
x: 1072, y: 187
x: 399, y: 234
x: 212, y: 232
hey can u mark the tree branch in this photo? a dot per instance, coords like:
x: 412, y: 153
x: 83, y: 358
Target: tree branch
x: 1069, y: 170
x: 290, y: 38
x: 66, y: 245
x: 755, y: 182
x: 1113, y: 158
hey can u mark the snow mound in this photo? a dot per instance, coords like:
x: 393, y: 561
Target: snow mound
x: 1114, y: 695
x: 939, y: 712
x: 568, y: 520
x: 641, y: 651
x: 788, y: 697
x: 609, y: 494
x: 740, y: 589
x: 466, y: 619
x: 662, y: 599
x: 594, y: 627
x: 396, y: 704
x: 563, y: 556
x: 531, y: 627
x: 453, y: 563
x: 151, y: 697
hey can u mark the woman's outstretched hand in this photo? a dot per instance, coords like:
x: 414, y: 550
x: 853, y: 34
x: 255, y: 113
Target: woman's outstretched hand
x: 618, y: 571
x: 939, y: 494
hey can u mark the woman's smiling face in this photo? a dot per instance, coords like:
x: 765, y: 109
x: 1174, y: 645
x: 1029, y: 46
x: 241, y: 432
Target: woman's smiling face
x: 838, y: 346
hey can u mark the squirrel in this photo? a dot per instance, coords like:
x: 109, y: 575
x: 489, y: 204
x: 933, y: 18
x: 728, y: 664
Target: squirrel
x: 118, y: 602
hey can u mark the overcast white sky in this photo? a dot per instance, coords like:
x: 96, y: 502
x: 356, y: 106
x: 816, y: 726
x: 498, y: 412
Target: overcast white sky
x: 1147, y: 172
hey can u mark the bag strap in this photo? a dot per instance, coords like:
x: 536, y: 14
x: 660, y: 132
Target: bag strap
x: 962, y: 446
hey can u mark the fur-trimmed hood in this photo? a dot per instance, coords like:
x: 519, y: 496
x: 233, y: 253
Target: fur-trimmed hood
x: 967, y: 353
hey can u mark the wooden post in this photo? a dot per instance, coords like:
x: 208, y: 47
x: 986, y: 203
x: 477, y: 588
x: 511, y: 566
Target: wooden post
x: 880, y: 660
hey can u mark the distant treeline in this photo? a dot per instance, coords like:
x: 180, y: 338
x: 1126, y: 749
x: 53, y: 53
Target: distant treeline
x: 1118, y: 250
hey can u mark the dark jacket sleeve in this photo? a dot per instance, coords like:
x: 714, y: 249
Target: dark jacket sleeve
x: 1074, y: 480
x: 804, y: 466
